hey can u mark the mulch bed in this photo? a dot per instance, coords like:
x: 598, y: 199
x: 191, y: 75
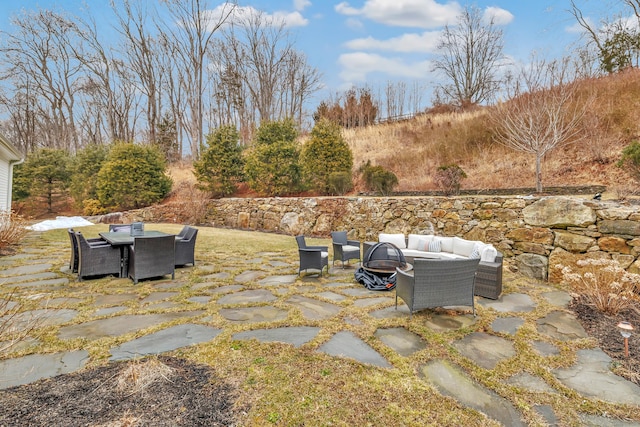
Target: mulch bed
x: 190, y: 396
x: 603, y: 328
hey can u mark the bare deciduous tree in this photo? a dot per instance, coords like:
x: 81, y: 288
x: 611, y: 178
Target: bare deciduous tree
x: 193, y: 33
x: 259, y: 70
x: 470, y: 54
x: 545, y: 113
x: 38, y: 59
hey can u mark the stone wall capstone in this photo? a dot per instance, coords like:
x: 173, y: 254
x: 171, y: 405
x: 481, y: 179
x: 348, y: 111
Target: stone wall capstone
x: 539, y: 234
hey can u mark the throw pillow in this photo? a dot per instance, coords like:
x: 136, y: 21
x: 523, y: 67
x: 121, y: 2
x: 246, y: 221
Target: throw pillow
x: 434, y: 245
x: 413, y: 241
x: 475, y: 253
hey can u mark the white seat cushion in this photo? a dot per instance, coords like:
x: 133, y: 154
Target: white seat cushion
x: 414, y: 253
x: 462, y: 246
x: 396, y: 239
x: 324, y: 254
x: 350, y: 248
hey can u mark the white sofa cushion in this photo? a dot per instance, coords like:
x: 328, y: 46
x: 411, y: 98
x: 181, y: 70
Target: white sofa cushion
x: 414, y: 253
x: 462, y: 246
x: 488, y: 254
x: 446, y: 243
x: 396, y: 239
x: 414, y: 240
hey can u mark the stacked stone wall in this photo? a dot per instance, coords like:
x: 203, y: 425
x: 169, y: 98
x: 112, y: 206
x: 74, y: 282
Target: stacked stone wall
x: 539, y: 234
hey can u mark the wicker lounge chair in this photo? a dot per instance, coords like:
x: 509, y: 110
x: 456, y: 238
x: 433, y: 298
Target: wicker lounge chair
x: 186, y: 247
x: 96, y: 259
x: 344, y: 249
x: 152, y: 257
x: 312, y: 257
x: 437, y: 283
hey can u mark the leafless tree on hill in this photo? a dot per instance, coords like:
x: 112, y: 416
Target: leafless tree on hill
x: 470, y: 54
x: 544, y: 113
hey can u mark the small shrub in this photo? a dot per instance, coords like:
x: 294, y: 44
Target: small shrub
x: 448, y: 177
x: 272, y: 165
x: 326, y: 152
x: 340, y: 182
x: 92, y: 207
x: 12, y: 229
x: 379, y: 179
x: 220, y: 167
x: 630, y: 160
x: 603, y: 284
x: 133, y: 176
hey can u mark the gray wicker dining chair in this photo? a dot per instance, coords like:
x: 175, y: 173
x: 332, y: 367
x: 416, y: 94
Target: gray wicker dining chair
x: 186, y: 248
x: 312, y: 257
x: 437, y: 283
x: 96, y: 259
x: 152, y: 256
x: 343, y: 248
x: 74, y: 259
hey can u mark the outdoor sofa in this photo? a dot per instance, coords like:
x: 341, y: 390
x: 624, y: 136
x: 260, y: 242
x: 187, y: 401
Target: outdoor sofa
x: 488, y: 282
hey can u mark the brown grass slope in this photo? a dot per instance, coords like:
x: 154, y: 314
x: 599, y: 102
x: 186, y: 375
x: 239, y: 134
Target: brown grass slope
x: 414, y: 149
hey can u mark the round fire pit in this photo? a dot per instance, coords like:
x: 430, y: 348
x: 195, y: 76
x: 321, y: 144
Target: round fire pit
x: 384, y: 258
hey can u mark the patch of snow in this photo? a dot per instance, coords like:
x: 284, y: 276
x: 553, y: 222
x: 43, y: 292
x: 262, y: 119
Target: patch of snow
x: 60, y: 222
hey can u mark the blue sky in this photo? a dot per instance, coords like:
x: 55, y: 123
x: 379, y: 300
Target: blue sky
x: 371, y: 42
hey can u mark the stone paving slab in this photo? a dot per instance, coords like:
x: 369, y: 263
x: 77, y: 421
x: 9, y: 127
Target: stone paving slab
x: 278, y: 280
x: 484, y: 349
x: 347, y: 344
x: 447, y: 322
x: 561, y: 326
x: 404, y: 342
x: 28, y: 277
x: 515, y: 302
x: 247, y: 297
x: 254, y: 314
x: 26, y: 269
x: 27, y: 369
x: 314, y: 309
x: 451, y: 381
x: 591, y: 377
x: 120, y: 325
x: 295, y: 335
x: 507, y: 325
x: 165, y: 340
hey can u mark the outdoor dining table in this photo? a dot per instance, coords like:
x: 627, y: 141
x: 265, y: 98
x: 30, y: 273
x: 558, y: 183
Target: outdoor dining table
x: 123, y: 240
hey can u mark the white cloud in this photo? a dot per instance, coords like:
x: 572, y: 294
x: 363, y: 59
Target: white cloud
x: 289, y: 19
x: 301, y: 4
x: 356, y: 66
x: 404, y: 13
x: 406, y: 43
x: 354, y: 24
x: 500, y: 16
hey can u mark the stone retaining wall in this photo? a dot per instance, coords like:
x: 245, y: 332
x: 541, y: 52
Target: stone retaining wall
x: 538, y: 233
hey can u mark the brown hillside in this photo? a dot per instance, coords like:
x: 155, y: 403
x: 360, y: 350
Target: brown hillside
x: 414, y: 149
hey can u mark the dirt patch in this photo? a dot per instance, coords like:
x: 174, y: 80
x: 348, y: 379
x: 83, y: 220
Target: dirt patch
x: 603, y: 328
x: 154, y: 392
